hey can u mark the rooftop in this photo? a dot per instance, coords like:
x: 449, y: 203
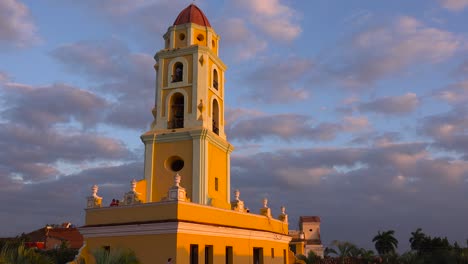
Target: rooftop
x: 192, y: 14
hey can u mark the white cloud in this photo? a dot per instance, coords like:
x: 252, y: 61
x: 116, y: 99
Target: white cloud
x: 237, y: 36
x: 16, y: 25
x: 392, y: 105
x: 379, y: 52
x: 273, y: 18
x: 454, y: 5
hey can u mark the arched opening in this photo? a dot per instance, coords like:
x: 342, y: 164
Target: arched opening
x: 215, y: 79
x: 215, y: 117
x: 176, y: 119
x: 177, y: 72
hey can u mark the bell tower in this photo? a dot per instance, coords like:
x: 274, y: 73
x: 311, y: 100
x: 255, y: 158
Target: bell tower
x: 187, y: 135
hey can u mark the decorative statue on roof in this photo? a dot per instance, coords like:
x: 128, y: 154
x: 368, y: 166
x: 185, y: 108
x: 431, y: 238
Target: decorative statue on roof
x: 94, y: 201
x: 132, y: 197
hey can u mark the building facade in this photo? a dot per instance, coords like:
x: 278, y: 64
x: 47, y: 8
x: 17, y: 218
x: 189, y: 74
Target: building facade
x: 307, y: 238
x: 182, y: 209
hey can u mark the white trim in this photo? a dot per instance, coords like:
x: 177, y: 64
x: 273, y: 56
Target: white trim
x: 200, y: 161
x: 182, y: 228
x: 169, y: 54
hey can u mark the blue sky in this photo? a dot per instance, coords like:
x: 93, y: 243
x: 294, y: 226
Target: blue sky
x: 352, y: 110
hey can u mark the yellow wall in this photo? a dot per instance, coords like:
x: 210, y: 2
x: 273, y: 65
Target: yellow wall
x: 148, y: 248
x: 217, y: 168
x: 141, y: 189
x: 178, y: 42
x: 242, y: 249
x: 197, y: 32
x: 183, y: 211
x: 163, y: 178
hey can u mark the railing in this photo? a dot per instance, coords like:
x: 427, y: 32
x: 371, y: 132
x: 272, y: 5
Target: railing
x: 176, y: 78
x: 177, y: 122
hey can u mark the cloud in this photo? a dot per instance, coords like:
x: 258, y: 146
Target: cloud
x: 4, y: 77
x: 272, y: 18
x: 279, y: 81
x: 350, y: 182
x: 391, y: 105
x: 449, y: 130
x: 293, y: 127
x: 45, y: 129
x: 454, y: 94
x: 42, y: 107
x: 235, y: 32
x: 65, y: 197
x: 16, y: 26
x: 382, y: 51
x: 124, y: 76
x: 454, y: 5
x: 34, y: 155
x: 150, y: 17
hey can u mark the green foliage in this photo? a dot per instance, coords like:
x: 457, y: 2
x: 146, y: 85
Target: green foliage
x: 311, y: 258
x: 385, y: 242
x: 19, y: 254
x: 115, y: 256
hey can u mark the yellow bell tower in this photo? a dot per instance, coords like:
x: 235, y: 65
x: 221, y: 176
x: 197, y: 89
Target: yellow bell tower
x: 187, y: 135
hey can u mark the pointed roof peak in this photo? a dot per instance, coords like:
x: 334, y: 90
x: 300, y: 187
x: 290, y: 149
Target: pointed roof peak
x: 192, y: 14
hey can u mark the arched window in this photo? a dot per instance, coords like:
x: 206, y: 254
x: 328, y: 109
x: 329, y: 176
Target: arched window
x: 176, y: 119
x: 177, y: 72
x: 215, y: 117
x: 215, y: 79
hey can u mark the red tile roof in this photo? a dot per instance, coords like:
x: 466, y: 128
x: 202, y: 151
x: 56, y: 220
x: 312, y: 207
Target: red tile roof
x: 309, y: 219
x: 72, y: 235
x: 192, y: 14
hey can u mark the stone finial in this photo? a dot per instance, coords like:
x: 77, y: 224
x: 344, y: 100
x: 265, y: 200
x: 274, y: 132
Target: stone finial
x: 283, y: 216
x: 177, y: 192
x: 236, y: 195
x: 237, y: 204
x: 177, y: 180
x: 94, y: 200
x: 265, y: 210
x: 132, y: 197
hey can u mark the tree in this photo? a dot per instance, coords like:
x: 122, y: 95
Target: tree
x: 385, y: 242
x: 115, y: 256
x: 19, y: 254
x: 417, y: 240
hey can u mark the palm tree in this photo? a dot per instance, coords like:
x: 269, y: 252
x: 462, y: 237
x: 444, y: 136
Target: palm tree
x: 417, y: 239
x: 343, y: 250
x: 115, y: 256
x: 385, y: 242
x: 19, y: 254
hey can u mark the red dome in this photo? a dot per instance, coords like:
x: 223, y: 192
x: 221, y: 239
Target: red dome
x: 192, y: 14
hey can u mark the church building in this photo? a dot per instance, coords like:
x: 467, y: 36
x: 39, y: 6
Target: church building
x: 182, y: 209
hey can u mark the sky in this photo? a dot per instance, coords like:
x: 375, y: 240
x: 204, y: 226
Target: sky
x: 355, y: 111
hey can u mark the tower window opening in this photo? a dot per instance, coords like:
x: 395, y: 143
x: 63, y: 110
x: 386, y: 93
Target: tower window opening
x: 177, y: 112
x: 215, y: 79
x: 200, y: 37
x: 177, y: 72
x: 215, y: 117
x: 216, y: 184
x: 181, y: 36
